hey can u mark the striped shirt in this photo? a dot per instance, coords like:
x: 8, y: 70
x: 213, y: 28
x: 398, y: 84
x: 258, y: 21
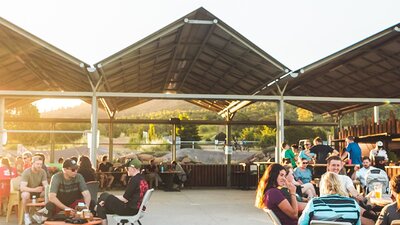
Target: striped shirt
x: 331, y: 208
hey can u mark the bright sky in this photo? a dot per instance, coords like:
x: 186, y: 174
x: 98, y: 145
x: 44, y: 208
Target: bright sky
x: 295, y: 32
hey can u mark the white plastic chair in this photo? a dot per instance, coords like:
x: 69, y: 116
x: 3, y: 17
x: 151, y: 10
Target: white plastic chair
x: 323, y: 222
x: 113, y: 219
x: 273, y: 217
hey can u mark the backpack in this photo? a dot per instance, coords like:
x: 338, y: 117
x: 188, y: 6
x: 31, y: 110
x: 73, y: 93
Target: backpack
x: 376, y: 175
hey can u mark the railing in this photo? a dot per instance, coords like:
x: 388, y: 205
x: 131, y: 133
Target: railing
x: 215, y: 175
x: 390, y: 126
x: 392, y: 171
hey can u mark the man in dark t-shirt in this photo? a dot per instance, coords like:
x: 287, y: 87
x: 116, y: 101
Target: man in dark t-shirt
x: 322, y: 152
x: 129, y: 203
x: 106, y: 177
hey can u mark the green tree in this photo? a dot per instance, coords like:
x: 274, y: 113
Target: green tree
x: 188, y: 132
x: 304, y: 115
x: 152, y: 132
x: 27, y: 111
x: 268, y: 136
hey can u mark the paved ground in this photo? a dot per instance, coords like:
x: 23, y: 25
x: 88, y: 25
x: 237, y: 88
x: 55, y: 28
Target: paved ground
x: 194, y: 206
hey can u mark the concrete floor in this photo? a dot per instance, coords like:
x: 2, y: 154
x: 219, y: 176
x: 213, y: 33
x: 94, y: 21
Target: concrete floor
x: 199, y: 206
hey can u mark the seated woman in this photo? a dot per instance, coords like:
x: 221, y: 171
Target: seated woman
x: 333, y: 205
x: 303, y: 176
x: 306, y: 153
x: 270, y: 196
x: 392, y: 211
x: 86, y: 169
x: 290, y: 178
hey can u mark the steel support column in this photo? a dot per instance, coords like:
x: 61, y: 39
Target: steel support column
x: 173, y: 133
x: 2, y: 112
x: 111, y: 139
x: 228, y: 153
x: 52, y: 143
x: 376, y: 114
x: 280, y: 127
x: 93, y: 118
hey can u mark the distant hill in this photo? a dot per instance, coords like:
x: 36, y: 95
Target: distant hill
x: 83, y: 110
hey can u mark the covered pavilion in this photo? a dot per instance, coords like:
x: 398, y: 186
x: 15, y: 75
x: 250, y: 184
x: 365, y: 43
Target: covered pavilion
x: 200, y: 59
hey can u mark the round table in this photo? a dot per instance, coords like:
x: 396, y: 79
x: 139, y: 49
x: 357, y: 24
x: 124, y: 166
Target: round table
x: 95, y: 220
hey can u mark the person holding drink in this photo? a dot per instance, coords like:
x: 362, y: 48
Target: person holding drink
x: 33, y: 183
x: 67, y: 189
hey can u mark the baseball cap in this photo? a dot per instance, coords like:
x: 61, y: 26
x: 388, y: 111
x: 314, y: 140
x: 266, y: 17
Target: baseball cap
x: 135, y: 163
x: 70, y: 164
x: 379, y: 143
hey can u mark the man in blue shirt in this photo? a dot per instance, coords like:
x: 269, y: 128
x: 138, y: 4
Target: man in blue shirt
x: 354, y: 149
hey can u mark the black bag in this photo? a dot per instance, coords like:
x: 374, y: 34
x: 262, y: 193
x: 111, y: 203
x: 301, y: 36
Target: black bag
x: 76, y: 221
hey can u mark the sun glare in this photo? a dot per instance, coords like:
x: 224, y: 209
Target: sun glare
x: 49, y: 104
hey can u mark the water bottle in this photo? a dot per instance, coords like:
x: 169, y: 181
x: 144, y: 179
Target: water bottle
x: 162, y: 169
x: 34, y: 199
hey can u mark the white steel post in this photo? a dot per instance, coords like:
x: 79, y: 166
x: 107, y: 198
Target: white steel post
x: 280, y: 127
x: 93, y: 118
x: 2, y: 112
x: 376, y: 114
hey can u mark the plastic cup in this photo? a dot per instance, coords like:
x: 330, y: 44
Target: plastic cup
x: 378, y: 190
x: 67, y: 212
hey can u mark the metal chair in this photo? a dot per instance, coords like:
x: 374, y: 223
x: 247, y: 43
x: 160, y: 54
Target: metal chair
x: 113, y: 219
x: 273, y: 217
x: 323, y: 222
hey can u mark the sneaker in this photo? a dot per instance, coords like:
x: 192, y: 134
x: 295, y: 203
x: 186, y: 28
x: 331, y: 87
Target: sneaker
x: 42, y: 211
x: 38, y: 218
x: 27, y: 219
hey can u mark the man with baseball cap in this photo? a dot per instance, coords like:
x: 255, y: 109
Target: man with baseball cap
x: 129, y: 203
x: 67, y: 189
x: 379, y: 156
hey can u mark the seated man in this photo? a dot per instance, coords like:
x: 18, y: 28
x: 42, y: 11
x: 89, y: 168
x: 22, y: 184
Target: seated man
x: 67, y: 189
x: 106, y: 178
x: 335, y: 164
x: 360, y: 174
x: 129, y: 203
x: 33, y: 183
x: 181, y: 177
x: 153, y: 176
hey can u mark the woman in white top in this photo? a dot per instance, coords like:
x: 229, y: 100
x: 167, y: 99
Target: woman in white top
x: 379, y: 156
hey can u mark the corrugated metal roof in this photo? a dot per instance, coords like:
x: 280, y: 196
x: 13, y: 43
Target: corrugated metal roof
x: 197, y: 54
x: 30, y: 64
x: 367, y: 69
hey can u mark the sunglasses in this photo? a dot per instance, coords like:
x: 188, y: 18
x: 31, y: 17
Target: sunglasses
x: 304, y: 162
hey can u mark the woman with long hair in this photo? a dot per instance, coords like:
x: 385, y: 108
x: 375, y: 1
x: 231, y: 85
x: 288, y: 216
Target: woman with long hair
x: 6, y: 173
x: 86, y: 169
x: 392, y: 211
x: 333, y: 205
x: 270, y: 196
